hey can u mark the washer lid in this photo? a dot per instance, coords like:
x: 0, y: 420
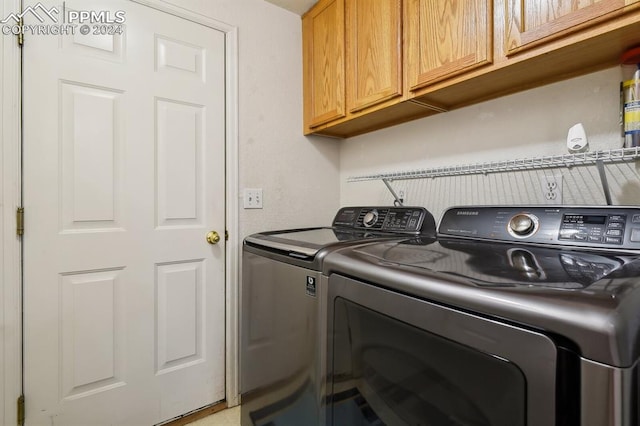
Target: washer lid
x: 591, y: 298
x: 489, y: 264
x: 308, y: 242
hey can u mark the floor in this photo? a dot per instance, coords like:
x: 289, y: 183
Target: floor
x: 228, y: 417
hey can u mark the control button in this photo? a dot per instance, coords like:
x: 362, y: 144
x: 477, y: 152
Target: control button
x: 617, y: 217
x: 566, y: 235
x: 580, y: 237
x: 594, y: 239
x: 616, y: 225
x: 614, y: 232
x: 635, y: 235
x: 635, y: 218
x: 613, y: 240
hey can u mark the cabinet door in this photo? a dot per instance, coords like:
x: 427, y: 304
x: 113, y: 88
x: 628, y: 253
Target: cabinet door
x: 374, y: 52
x: 445, y: 38
x: 529, y: 23
x: 323, y: 59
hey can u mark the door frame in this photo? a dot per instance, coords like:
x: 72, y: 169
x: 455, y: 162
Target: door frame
x: 11, y: 199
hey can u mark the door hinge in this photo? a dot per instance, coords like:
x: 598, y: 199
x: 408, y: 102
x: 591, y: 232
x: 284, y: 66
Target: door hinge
x: 21, y: 33
x: 20, y: 221
x: 21, y: 410
x: 226, y: 235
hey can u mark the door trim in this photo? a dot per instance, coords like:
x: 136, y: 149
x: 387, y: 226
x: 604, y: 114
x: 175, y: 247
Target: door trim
x: 11, y: 199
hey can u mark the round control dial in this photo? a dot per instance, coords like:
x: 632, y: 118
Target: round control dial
x: 523, y: 225
x: 370, y: 218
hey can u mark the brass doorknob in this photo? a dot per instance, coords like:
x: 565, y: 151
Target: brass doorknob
x: 213, y: 237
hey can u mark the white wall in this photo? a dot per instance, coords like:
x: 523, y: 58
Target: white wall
x: 527, y: 124
x: 295, y: 172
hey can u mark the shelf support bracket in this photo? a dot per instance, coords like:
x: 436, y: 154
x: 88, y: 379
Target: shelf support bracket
x: 603, y: 180
x: 398, y: 201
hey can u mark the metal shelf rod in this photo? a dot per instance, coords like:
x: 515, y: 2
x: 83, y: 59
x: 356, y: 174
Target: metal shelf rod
x: 521, y: 164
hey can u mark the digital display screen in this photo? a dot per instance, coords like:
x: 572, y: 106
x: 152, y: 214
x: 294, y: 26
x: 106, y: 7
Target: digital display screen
x: 579, y: 218
x: 597, y: 220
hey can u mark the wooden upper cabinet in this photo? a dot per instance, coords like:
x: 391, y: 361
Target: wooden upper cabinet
x: 370, y: 64
x: 445, y: 38
x: 529, y: 23
x: 374, y: 52
x: 323, y: 63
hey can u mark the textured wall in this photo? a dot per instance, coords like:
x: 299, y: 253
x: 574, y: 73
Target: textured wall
x: 528, y: 124
x: 293, y: 171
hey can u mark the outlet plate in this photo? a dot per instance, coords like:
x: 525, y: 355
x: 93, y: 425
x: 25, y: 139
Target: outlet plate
x: 551, y: 186
x: 252, y: 198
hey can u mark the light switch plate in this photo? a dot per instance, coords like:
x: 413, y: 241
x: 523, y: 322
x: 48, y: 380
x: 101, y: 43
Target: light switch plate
x: 252, y: 198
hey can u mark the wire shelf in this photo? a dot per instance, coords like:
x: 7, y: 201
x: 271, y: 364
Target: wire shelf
x: 547, y: 162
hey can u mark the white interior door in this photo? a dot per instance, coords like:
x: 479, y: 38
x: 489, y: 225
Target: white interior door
x: 123, y: 177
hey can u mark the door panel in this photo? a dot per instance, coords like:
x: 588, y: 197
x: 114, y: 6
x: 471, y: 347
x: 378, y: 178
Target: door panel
x: 179, y: 317
x: 179, y: 145
x: 123, y: 177
x: 91, y: 169
x: 92, y: 330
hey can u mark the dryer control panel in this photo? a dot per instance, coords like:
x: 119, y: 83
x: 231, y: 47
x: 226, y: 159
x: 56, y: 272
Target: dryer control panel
x: 604, y: 227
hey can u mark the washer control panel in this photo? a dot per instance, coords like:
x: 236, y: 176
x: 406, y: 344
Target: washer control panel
x: 607, y: 227
x: 405, y: 220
